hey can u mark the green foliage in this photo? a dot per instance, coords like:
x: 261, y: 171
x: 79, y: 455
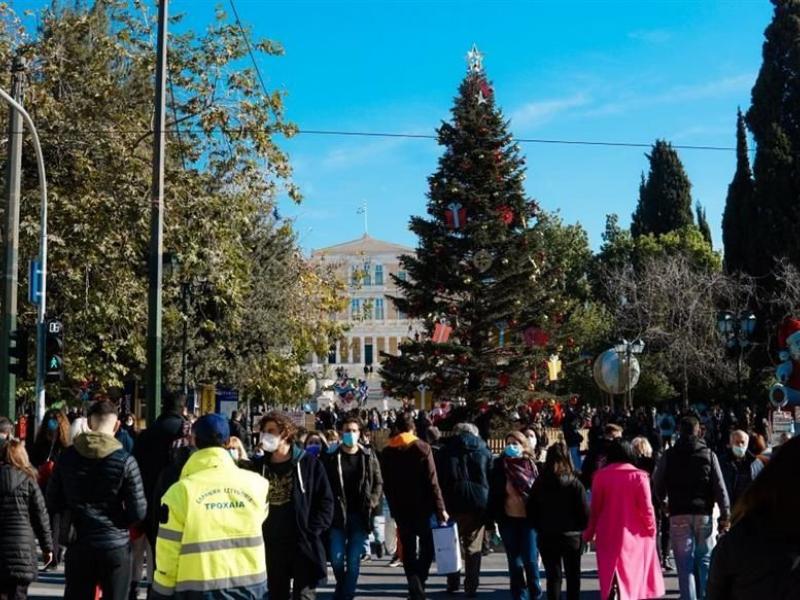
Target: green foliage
x: 535, y: 275
x: 665, y: 200
x: 702, y: 224
x: 90, y: 91
x: 740, y: 217
x: 774, y: 120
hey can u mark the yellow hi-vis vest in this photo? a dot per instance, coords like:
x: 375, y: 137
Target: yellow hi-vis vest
x: 210, y: 535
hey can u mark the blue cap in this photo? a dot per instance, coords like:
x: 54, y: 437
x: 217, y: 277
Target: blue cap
x: 212, y: 430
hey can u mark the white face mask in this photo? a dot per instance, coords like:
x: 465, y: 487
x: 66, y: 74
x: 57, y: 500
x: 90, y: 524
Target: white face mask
x: 269, y: 442
x: 532, y: 441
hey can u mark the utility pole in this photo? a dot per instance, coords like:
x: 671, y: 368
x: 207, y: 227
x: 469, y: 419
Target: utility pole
x: 155, y: 267
x: 8, y: 381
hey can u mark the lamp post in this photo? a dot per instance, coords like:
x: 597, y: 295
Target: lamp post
x: 626, y: 350
x: 737, y: 333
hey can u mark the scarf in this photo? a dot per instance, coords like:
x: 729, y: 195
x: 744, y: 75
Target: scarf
x: 521, y: 472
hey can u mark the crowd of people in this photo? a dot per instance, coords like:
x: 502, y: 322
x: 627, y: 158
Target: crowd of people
x: 217, y: 508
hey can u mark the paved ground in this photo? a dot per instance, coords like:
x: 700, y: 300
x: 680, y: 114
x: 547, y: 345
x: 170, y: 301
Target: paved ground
x: 382, y: 582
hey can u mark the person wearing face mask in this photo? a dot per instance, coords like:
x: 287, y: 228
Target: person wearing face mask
x: 357, y: 485
x: 315, y: 444
x: 300, y: 511
x: 739, y: 466
x: 332, y: 441
x: 510, y: 483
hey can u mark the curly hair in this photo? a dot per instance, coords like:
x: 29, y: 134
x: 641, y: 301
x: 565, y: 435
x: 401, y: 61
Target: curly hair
x: 285, y: 425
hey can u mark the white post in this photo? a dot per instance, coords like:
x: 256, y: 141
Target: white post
x: 40, y: 332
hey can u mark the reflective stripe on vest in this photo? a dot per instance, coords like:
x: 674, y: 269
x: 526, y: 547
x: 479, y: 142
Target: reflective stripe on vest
x: 222, y: 545
x: 220, y: 584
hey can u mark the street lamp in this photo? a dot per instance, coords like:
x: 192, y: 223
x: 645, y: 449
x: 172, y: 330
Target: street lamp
x: 626, y: 350
x: 737, y: 332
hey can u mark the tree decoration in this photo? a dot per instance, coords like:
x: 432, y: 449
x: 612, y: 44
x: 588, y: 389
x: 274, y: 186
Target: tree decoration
x: 455, y: 216
x: 506, y: 214
x: 441, y: 332
x: 483, y: 260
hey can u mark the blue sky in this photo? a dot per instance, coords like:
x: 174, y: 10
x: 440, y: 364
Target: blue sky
x: 612, y: 71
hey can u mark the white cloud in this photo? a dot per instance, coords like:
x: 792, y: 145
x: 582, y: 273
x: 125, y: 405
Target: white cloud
x: 537, y: 113
x: 682, y: 93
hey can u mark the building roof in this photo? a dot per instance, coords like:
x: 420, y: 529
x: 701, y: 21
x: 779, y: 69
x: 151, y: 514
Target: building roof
x: 364, y: 245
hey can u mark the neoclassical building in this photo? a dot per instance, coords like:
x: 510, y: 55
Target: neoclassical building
x: 375, y: 323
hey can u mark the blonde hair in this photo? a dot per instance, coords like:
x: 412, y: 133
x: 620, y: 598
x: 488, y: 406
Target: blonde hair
x: 642, y: 447
x: 14, y: 454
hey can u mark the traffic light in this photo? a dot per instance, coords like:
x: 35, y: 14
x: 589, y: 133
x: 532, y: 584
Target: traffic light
x: 19, y: 350
x: 54, y: 351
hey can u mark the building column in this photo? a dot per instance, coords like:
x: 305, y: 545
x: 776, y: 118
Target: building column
x: 363, y: 350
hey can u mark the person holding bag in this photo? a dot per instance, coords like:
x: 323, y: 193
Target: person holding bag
x: 23, y: 521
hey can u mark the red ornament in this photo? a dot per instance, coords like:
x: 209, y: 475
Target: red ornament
x: 506, y: 214
x: 503, y: 380
x: 462, y: 359
x: 570, y: 342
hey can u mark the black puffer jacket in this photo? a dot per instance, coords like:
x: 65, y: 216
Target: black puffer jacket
x: 23, y: 520
x: 99, y: 483
x: 463, y: 467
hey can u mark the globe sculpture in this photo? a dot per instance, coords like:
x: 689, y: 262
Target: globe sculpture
x: 612, y: 373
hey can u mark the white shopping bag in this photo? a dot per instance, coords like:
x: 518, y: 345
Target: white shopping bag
x: 448, y: 549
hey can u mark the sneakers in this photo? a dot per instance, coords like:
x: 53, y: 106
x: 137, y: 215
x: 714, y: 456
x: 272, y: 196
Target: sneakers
x: 395, y: 562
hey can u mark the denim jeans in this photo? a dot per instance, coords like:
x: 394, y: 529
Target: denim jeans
x: 692, y: 542
x: 519, y: 538
x: 346, y: 547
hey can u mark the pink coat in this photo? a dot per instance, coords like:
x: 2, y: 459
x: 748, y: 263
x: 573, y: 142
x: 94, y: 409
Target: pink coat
x: 624, y: 525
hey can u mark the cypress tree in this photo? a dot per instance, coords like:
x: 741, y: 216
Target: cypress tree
x: 739, y: 218
x: 774, y: 120
x: 665, y: 199
x: 702, y: 224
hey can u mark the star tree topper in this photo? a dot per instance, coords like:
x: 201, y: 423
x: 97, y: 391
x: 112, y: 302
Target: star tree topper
x: 475, y: 60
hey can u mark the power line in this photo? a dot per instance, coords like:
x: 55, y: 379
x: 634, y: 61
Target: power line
x: 249, y: 48
x: 518, y: 140
x: 382, y: 134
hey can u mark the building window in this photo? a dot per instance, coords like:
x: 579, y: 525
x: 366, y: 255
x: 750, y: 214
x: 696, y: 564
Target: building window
x: 379, y: 309
x: 332, y: 354
x: 378, y: 274
x: 355, y: 308
x: 368, y: 309
x: 401, y: 275
x: 366, y: 275
x: 401, y: 315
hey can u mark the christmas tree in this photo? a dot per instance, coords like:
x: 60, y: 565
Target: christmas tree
x: 489, y: 277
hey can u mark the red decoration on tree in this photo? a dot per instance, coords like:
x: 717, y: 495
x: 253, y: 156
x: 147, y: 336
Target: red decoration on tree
x: 455, y: 216
x: 441, y: 333
x: 506, y: 214
x: 503, y: 380
x: 570, y: 342
x: 486, y: 89
x: 535, y: 337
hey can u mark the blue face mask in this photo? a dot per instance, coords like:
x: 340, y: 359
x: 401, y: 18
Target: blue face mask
x: 313, y: 449
x: 350, y: 438
x: 332, y: 447
x: 513, y: 451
